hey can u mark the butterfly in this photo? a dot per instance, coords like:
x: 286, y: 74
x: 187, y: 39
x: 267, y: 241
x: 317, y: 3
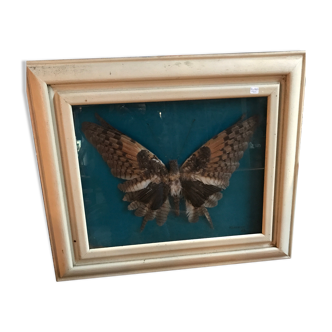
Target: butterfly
x: 149, y: 184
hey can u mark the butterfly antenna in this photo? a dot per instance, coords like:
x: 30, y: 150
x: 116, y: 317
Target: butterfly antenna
x: 185, y: 141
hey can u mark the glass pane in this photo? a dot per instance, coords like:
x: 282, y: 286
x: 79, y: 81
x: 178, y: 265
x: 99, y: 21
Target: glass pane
x: 171, y: 130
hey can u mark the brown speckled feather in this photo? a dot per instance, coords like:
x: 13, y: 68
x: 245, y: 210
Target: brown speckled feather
x: 129, y: 160
x: 208, y: 170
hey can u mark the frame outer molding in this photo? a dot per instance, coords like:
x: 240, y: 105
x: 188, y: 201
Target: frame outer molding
x: 49, y: 170
x: 287, y: 68
x: 173, y: 263
x: 298, y: 143
x: 164, y: 68
x: 289, y: 161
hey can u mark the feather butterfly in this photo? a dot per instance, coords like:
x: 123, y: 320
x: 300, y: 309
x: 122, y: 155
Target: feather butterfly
x: 149, y: 183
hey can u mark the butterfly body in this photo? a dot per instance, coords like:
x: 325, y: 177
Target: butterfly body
x: 149, y: 183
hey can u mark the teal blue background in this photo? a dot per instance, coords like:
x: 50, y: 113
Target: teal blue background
x: 171, y: 130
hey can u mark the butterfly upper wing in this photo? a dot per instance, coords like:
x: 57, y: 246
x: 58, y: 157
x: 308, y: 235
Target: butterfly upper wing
x: 208, y: 170
x: 145, y: 187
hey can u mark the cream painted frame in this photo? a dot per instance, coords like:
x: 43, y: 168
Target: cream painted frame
x: 54, y: 86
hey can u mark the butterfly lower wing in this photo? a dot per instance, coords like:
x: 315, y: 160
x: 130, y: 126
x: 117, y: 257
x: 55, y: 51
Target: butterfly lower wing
x: 145, y: 187
x: 208, y: 170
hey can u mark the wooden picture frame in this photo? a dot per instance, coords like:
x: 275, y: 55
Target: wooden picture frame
x: 53, y: 87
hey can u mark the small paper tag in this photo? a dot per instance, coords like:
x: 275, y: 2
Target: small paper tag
x: 254, y: 90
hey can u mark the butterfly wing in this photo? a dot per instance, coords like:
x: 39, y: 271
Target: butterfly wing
x: 208, y: 170
x: 146, y: 186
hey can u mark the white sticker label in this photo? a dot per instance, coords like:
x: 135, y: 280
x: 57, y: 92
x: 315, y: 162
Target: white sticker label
x: 254, y: 90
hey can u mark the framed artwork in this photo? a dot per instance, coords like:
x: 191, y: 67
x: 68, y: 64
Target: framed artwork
x: 161, y: 163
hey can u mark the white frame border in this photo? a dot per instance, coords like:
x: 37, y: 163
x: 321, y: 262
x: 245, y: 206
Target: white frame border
x: 53, y: 86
